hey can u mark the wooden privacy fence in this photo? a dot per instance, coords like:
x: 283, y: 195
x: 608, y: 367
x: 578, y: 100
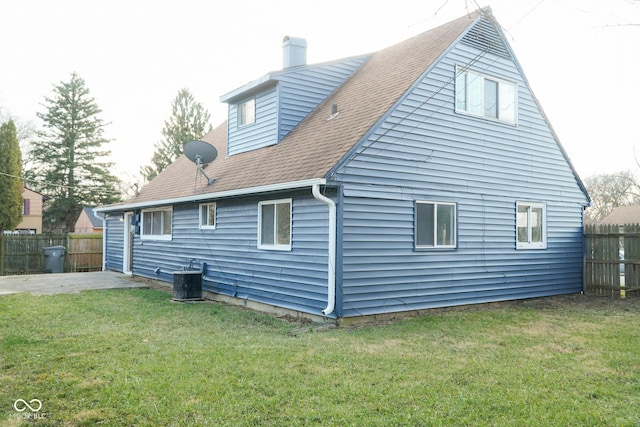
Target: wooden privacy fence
x: 612, y: 260
x: 22, y: 254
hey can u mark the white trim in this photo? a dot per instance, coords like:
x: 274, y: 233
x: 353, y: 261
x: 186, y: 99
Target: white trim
x: 460, y: 70
x: 215, y: 214
x: 219, y: 195
x: 529, y: 244
x: 275, y: 246
x: 435, y: 224
x: 126, y: 261
x: 252, y: 116
x: 164, y: 237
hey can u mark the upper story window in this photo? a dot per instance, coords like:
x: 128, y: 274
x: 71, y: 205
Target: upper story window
x: 247, y: 112
x: 486, y: 96
x: 274, y: 224
x: 156, y: 223
x: 531, y: 225
x: 435, y: 225
x: 208, y: 215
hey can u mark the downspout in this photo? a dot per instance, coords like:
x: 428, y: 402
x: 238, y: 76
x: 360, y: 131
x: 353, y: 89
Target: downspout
x: 331, y: 280
x: 104, y: 237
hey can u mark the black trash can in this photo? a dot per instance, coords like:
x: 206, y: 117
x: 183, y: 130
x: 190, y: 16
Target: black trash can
x: 187, y: 285
x: 53, y: 259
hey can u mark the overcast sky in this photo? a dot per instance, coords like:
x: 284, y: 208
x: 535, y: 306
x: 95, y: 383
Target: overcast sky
x: 581, y: 57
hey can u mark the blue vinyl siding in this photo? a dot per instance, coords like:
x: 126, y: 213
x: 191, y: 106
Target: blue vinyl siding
x: 256, y: 135
x: 303, y: 89
x: 295, y: 279
x: 425, y: 151
x: 114, y: 235
x: 293, y: 94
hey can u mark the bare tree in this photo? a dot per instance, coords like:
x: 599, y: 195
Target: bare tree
x: 608, y: 191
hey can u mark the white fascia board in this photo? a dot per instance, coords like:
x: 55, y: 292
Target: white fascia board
x: 241, y: 91
x: 219, y: 195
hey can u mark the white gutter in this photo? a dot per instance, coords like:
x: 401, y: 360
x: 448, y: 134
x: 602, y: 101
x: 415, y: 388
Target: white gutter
x: 104, y: 239
x: 221, y: 194
x: 331, y: 281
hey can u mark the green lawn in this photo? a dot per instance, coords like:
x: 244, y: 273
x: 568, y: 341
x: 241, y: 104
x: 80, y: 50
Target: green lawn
x: 132, y: 357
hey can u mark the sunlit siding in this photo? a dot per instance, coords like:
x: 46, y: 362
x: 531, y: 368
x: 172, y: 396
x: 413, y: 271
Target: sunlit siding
x: 295, y: 279
x: 303, y: 89
x: 114, y: 235
x: 263, y: 132
x: 426, y: 151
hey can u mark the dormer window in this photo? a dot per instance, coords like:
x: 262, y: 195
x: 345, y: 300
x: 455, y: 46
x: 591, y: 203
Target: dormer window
x: 247, y: 112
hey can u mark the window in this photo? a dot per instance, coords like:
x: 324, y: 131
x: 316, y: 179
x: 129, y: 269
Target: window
x: 208, y: 215
x: 485, y: 96
x: 156, y: 224
x: 435, y: 225
x: 274, y: 225
x: 531, y: 225
x: 247, y: 112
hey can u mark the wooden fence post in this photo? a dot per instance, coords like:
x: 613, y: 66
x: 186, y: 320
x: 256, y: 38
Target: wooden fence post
x: 22, y: 254
x: 2, y: 254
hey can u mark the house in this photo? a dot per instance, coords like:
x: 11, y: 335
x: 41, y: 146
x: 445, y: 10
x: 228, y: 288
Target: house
x: 88, y: 222
x: 31, y: 213
x: 423, y: 175
x: 622, y: 215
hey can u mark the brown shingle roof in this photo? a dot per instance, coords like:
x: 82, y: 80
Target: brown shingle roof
x: 316, y: 145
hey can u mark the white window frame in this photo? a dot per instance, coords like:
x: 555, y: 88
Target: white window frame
x: 145, y: 212
x: 471, y: 84
x: 436, y: 245
x: 275, y: 246
x: 204, y: 221
x: 249, y: 116
x: 529, y: 244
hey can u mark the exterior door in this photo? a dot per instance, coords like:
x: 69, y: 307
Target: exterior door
x: 127, y: 250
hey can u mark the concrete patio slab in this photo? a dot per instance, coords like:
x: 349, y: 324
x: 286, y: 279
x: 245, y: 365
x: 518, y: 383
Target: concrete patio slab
x: 58, y: 283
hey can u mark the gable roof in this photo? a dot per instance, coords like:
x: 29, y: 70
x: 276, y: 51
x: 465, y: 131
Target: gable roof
x: 622, y: 215
x: 95, y: 221
x: 316, y: 145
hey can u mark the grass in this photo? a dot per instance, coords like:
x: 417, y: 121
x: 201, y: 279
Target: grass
x: 132, y: 357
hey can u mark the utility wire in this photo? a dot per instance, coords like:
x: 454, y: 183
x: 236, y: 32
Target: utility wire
x: 68, y: 187
x: 461, y: 69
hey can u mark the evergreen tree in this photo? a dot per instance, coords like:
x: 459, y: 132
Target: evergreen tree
x: 69, y: 156
x: 189, y: 120
x: 10, y: 178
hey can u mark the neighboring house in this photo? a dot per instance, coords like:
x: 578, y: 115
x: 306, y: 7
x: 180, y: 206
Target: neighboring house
x: 88, y: 222
x: 622, y: 215
x: 423, y: 175
x: 32, y: 202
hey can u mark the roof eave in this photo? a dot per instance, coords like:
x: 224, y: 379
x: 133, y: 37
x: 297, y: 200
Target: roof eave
x: 294, y: 185
x: 244, y: 91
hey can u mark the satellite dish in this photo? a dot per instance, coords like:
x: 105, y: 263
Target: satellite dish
x: 201, y: 153
x: 204, y: 151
